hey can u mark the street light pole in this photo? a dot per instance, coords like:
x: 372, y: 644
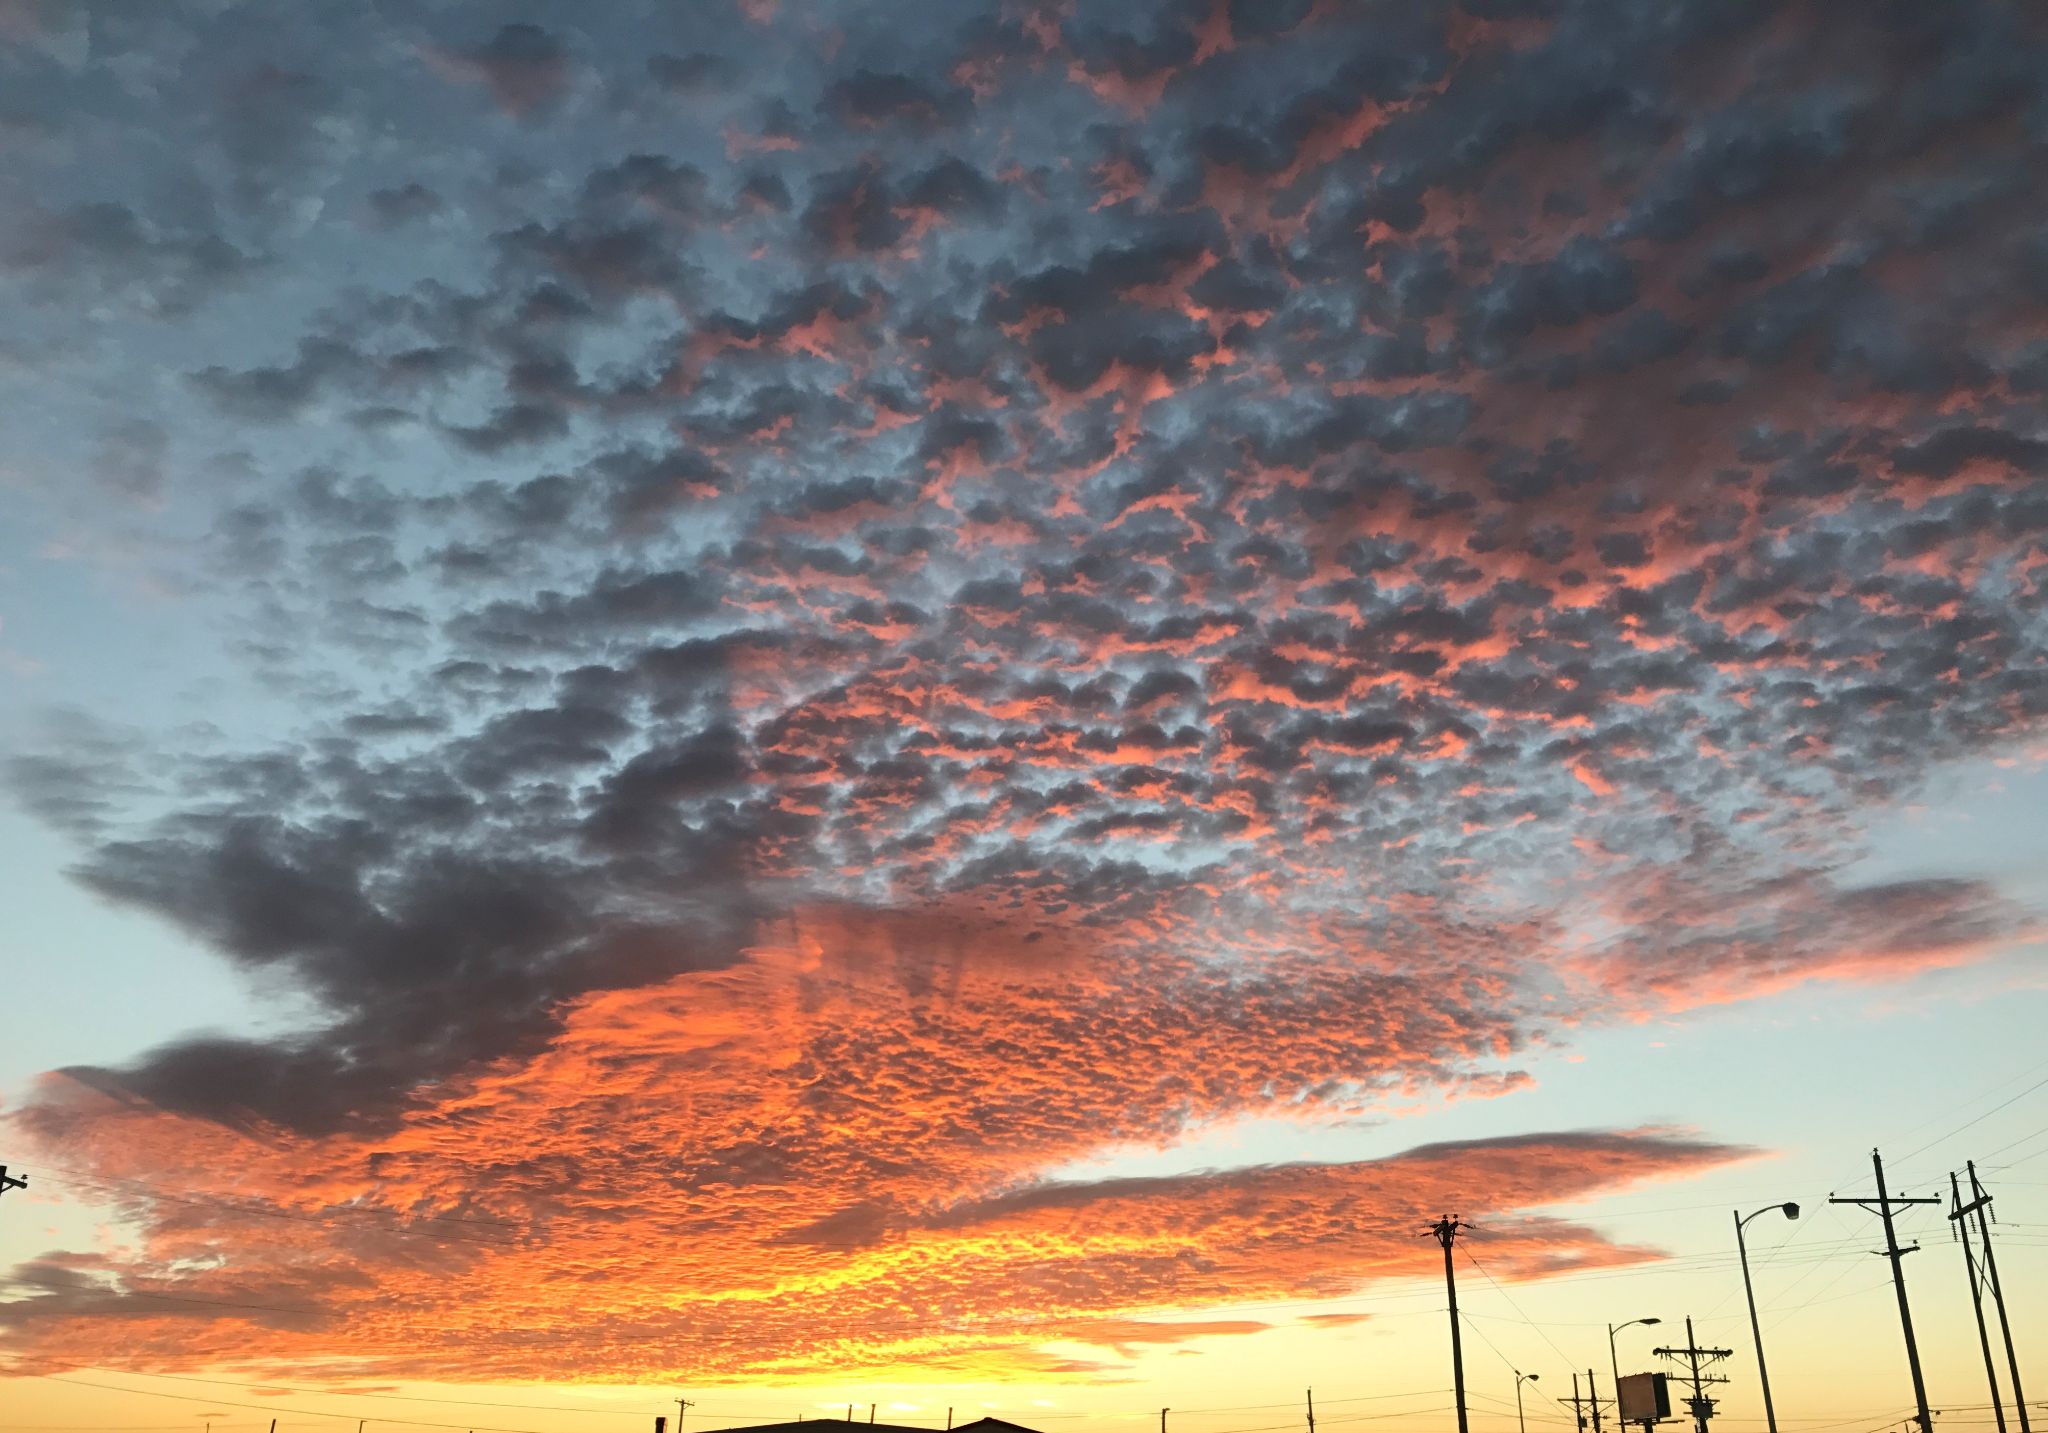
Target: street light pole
x: 1790, y: 1211
x: 1520, y: 1379
x: 1612, y: 1330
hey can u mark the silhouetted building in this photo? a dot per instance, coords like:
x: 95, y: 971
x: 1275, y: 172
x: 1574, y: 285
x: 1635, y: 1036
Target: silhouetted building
x: 841, y: 1425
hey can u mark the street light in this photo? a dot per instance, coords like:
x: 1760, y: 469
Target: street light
x: 1790, y: 1211
x: 1520, y: 1379
x: 1612, y: 1330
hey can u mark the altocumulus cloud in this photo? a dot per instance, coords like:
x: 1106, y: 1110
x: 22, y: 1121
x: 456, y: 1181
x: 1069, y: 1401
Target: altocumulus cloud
x: 869, y: 619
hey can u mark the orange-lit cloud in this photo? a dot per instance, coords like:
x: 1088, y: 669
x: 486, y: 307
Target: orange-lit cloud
x: 832, y: 1155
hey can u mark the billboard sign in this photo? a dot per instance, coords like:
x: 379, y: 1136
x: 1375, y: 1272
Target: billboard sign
x: 1644, y: 1397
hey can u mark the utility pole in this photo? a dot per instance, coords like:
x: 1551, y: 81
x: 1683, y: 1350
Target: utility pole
x: 1162, y: 1419
x: 1984, y: 1217
x: 1578, y: 1412
x: 1698, y: 1360
x: 683, y: 1405
x: 1593, y: 1397
x: 1959, y: 1227
x: 1311, y: 1411
x: 1881, y: 1206
x: 1446, y: 1231
x: 11, y: 1181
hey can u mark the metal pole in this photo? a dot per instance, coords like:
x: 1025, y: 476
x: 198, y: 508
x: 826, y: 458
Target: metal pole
x: 1756, y: 1332
x: 1613, y: 1329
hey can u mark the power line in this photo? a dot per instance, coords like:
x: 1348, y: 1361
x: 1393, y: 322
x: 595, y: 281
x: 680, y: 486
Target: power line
x: 269, y: 1408
x: 1812, y: 1267
x: 724, y: 1410
x: 1948, y: 1113
x: 483, y: 1428
x: 1563, y: 1357
x: 353, y: 1393
x: 2013, y: 1144
x: 1509, y: 1364
x: 2002, y: 1104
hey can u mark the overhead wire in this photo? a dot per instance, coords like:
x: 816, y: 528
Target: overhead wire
x: 270, y: 1408
x: 2014, y: 1144
x: 1972, y: 1123
x: 1473, y: 1260
x: 359, y: 1393
x: 727, y: 1410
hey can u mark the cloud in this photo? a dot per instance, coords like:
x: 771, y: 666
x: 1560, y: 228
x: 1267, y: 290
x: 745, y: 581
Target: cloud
x: 1714, y: 942
x: 403, y: 204
x: 838, y: 1137
x: 111, y: 251
x: 868, y: 615
x: 525, y: 68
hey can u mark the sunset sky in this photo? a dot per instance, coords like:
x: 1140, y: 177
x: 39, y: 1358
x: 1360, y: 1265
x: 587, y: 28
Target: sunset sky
x: 953, y: 705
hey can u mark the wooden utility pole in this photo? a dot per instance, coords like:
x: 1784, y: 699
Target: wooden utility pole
x: 1698, y: 1360
x: 1446, y: 1231
x: 1959, y: 1227
x: 1881, y: 1205
x: 1578, y: 1411
x: 1982, y: 1204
